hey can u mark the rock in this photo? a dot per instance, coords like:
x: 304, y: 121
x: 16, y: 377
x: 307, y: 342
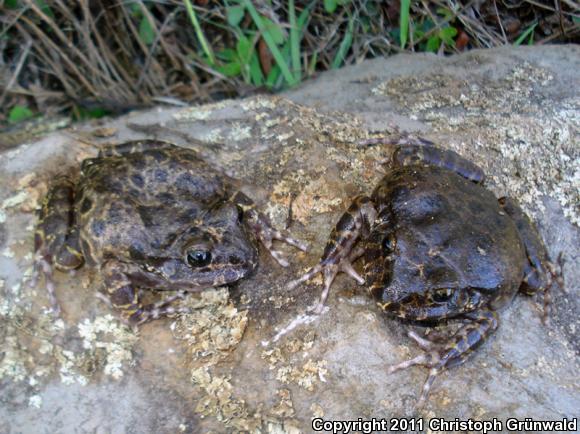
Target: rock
x: 252, y: 362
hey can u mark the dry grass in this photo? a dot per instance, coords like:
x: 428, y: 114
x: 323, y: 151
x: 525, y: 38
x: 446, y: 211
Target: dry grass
x: 72, y: 55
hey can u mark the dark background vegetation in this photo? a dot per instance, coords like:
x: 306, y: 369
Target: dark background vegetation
x: 84, y: 59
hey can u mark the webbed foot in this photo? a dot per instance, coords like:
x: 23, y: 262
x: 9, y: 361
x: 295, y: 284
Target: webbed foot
x: 340, y: 251
x: 157, y: 310
x: 265, y: 232
x: 136, y: 314
x: 120, y: 294
x: 440, y: 356
x: 329, y: 269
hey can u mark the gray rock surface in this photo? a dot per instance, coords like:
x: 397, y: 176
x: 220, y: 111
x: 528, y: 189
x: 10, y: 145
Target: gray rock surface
x: 249, y: 358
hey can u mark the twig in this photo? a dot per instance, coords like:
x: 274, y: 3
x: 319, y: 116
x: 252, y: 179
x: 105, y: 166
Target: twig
x: 17, y: 70
x: 158, y: 39
x: 569, y: 31
x: 505, y: 40
x: 571, y: 4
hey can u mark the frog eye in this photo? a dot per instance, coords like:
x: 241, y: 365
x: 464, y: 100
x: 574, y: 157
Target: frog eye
x: 442, y: 295
x: 389, y: 243
x: 198, y: 258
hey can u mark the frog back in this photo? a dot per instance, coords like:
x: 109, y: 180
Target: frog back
x: 135, y: 205
x: 450, y: 233
x: 158, y: 175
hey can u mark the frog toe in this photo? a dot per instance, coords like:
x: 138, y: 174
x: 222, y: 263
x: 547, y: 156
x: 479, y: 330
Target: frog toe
x: 149, y: 312
x: 44, y: 267
x: 421, y: 359
x: 259, y: 224
x: 441, y: 356
x: 346, y: 267
x: 278, y: 256
x: 430, y: 358
x: 329, y: 271
x: 266, y: 234
x: 306, y: 276
x: 285, y: 236
x: 294, y: 242
x: 154, y: 311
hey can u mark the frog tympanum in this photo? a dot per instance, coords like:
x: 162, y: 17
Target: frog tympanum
x: 437, y: 245
x: 151, y: 215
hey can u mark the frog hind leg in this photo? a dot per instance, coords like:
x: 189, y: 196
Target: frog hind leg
x: 539, y: 272
x: 412, y: 150
x: 56, y: 239
x: 262, y: 228
x: 445, y: 158
x: 441, y: 356
x: 122, y: 295
x: 340, y: 251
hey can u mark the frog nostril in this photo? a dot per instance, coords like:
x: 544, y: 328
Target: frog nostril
x: 234, y: 260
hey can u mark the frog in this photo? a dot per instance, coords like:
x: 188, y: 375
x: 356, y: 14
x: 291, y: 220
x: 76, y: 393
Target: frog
x: 151, y: 215
x: 436, y: 247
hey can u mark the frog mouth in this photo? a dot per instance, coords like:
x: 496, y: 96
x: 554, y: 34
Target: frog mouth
x: 435, y: 304
x: 205, y: 277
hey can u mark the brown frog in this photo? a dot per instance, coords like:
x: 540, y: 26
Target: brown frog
x: 152, y: 215
x: 436, y: 245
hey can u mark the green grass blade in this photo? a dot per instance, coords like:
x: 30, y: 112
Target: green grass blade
x: 344, y: 45
x: 146, y: 31
x: 274, y: 79
x: 330, y: 6
x: 404, y: 22
x: 256, y: 74
x: 525, y: 34
x: 312, y: 66
x: 280, y: 60
x: 303, y: 18
x: 204, y: 45
x: 19, y: 113
x: 294, y: 41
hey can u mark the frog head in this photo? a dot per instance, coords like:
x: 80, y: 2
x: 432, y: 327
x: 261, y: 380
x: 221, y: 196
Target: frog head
x: 411, y: 285
x: 216, y: 249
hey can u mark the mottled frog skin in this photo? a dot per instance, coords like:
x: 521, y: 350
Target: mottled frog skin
x: 151, y: 215
x: 436, y: 245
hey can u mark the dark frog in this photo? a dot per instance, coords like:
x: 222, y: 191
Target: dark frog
x: 436, y: 245
x: 151, y: 215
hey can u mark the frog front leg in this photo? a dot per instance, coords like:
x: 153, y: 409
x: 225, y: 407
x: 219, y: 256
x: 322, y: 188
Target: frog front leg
x: 264, y: 231
x: 56, y: 239
x: 539, y: 272
x: 125, y: 297
x: 340, y: 251
x: 440, y: 356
